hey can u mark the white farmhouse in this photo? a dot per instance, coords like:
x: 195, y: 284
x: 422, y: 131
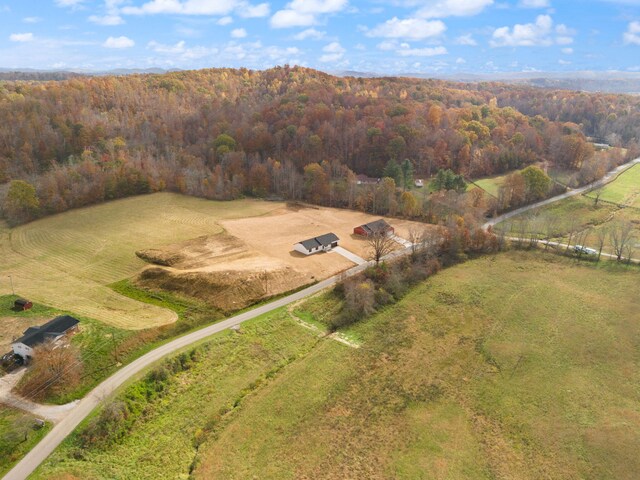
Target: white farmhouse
x: 52, y: 330
x: 322, y: 243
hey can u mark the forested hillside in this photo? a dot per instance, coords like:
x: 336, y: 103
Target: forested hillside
x: 289, y: 132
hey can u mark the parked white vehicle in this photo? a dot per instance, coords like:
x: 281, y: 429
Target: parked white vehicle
x: 580, y: 249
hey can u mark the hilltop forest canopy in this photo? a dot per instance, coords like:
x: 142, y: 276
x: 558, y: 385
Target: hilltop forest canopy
x: 289, y: 132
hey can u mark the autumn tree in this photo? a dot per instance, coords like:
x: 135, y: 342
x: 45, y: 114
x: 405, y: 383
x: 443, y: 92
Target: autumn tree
x: 316, y: 184
x: 22, y: 203
x: 537, y: 183
x: 56, y: 369
x: 380, y: 244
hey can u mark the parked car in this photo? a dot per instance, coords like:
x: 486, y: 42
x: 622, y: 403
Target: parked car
x: 580, y: 249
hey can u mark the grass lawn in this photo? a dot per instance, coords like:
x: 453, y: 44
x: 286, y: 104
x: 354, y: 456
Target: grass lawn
x: 490, y: 184
x: 68, y: 260
x: 625, y: 190
x: 520, y: 365
x: 17, y: 436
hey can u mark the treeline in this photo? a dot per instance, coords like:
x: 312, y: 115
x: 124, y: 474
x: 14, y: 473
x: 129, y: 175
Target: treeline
x: 293, y: 133
x: 387, y: 282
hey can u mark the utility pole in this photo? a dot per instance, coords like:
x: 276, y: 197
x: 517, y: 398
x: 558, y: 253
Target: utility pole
x: 115, y: 347
x: 11, y: 280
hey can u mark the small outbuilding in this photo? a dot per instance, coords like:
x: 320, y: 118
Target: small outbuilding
x: 22, y: 304
x: 322, y: 243
x: 53, y: 330
x: 374, y: 228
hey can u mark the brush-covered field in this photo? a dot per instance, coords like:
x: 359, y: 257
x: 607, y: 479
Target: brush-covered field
x: 68, y: 260
x: 520, y: 365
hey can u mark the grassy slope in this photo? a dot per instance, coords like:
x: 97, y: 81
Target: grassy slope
x: 625, y: 190
x: 520, y: 366
x: 515, y: 366
x: 13, y: 446
x: 68, y: 260
x: 164, y: 443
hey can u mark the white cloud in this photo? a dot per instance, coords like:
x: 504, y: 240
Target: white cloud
x: 291, y: 18
x: 238, y: 33
x: 567, y: 51
x: 541, y: 33
x: 466, y: 40
x: 421, y: 52
x: 333, y: 52
x: 409, y: 28
x: 311, y: 33
x: 460, y: 61
x: 632, y: 35
x: 21, y: 37
x: 31, y: 19
x: 564, y: 62
x: 304, y: 13
x: 452, y: 8
x: 534, y: 3
x: 225, y: 21
x: 118, y: 42
x: 198, y: 7
x: 253, y: 11
x: 181, y: 50
x: 106, y: 20
x: 69, y: 3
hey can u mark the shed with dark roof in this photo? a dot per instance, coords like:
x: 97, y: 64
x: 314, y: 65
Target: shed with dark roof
x: 374, y: 228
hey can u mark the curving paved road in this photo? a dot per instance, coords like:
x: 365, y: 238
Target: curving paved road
x: 598, y: 183
x: 80, y: 411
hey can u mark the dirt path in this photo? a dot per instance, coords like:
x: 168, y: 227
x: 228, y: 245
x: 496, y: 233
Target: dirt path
x: 53, y: 413
x: 572, y: 193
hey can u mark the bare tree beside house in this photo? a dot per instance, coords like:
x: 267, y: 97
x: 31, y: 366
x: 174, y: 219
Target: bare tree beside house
x: 380, y: 245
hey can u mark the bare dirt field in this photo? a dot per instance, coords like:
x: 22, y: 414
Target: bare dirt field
x: 255, y: 259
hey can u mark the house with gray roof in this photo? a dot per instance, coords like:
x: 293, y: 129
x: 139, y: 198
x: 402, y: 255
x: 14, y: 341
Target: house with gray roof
x: 322, y: 243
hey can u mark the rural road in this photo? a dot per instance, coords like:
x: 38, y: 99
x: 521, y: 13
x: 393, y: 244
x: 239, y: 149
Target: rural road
x: 571, y: 193
x: 84, y: 407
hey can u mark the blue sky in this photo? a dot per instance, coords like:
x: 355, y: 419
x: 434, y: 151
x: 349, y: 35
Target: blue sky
x: 418, y: 36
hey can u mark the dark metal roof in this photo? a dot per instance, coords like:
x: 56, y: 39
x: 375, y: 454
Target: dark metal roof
x: 21, y: 301
x: 321, y: 241
x: 377, y: 226
x: 52, y: 329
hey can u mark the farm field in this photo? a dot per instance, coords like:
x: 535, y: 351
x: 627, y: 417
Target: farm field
x: 580, y: 213
x: 520, y: 365
x: 625, y: 190
x: 68, y: 260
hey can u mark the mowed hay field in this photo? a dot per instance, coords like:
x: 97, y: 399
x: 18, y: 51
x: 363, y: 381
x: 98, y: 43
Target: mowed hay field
x: 515, y: 366
x: 68, y: 260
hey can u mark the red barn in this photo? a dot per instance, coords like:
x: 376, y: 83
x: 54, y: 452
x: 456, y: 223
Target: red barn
x: 22, y: 304
x: 372, y: 228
